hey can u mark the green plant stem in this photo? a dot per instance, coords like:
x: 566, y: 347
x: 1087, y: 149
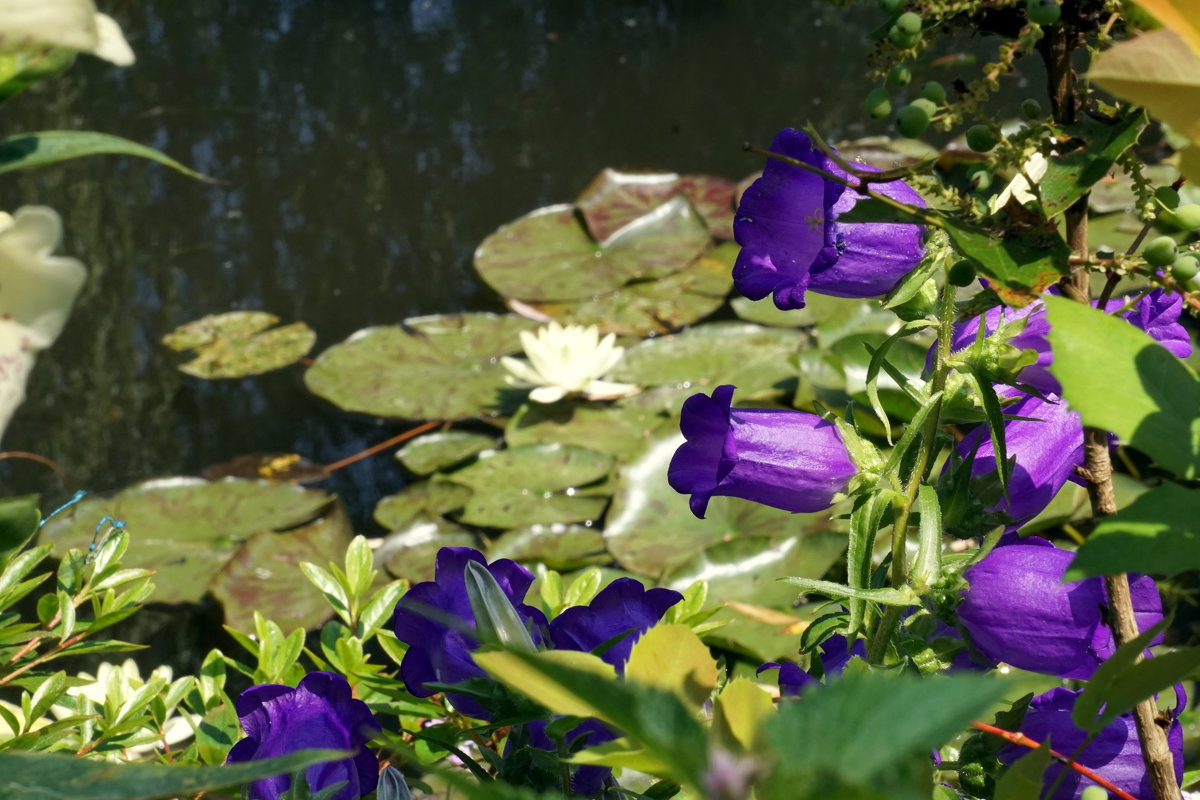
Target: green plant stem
x: 891, y: 617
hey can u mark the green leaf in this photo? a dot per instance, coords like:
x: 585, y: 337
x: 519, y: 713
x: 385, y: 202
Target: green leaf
x: 45, y: 776
x: 1070, y: 175
x: 438, y: 451
x: 672, y: 658
x: 496, y: 621
x: 927, y: 567
x: 619, y: 430
x: 1021, y: 263
x: 1158, y: 533
x: 19, y: 518
x: 419, y: 501
x: 26, y: 150
x: 410, y: 550
x: 23, y: 70
x: 561, y: 547
x: 1096, y: 690
x: 534, y: 468
x: 739, y: 713
x: 864, y: 528
x: 1147, y: 678
x: 238, y: 344
x: 902, y: 596
x: 1143, y: 394
x: 1023, y: 779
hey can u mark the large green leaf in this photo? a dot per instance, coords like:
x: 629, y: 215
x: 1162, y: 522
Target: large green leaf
x: 19, y: 518
x: 187, y: 529
x: 758, y: 360
x: 26, y: 150
x: 619, y: 430
x: 617, y: 197
x: 238, y: 344
x: 515, y: 508
x: 1158, y: 533
x: 437, y: 451
x: 548, y: 255
x: 49, y: 776
x: 436, y: 367
x: 537, y: 468
x: 1124, y: 382
x: 1069, y: 175
x: 1020, y: 264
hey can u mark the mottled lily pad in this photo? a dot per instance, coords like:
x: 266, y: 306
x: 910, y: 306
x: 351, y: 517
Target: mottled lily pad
x: 411, y: 552
x: 559, y: 547
x: 510, y: 508
x: 436, y: 367
x: 534, y: 467
x: 187, y: 529
x: 619, y: 430
x: 423, y: 499
x: 262, y: 575
x: 748, y: 569
x: 616, y: 197
x: 647, y: 307
x: 759, y: 361
x: 651, y: 531
x: 884, y: 153
x: 437, y: 451
x: 547, y: 255
x: 238, y: 344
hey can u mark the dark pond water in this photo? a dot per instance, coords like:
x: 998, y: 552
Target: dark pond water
x: 364, y: 149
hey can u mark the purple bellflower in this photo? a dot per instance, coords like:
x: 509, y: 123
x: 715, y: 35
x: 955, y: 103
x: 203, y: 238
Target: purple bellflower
x: 780, y: 458
x: 320, y: 712
x: 435, y: 620
x: 1114, y: 755
x: 835, y: 654
x: 1016, y: 609
x: 792, y: 241
x: 625, y: 606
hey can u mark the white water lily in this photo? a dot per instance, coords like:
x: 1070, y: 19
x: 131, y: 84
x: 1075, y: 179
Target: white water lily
x: 37, y: 290
x: 70, y: 24
x: 568, y: 360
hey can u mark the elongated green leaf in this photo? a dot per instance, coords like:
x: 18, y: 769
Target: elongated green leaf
x: 1124, y: 382
x: 864, y: 526
x: 902, y: 596
x: 1159, y: 532
x: 878, y: 356
x: 496, y: 621
x: 26, y: 150
x: 995, y: 423
x: 45, y: 776
x: 927, y: 567
x: 1069, y: 176
x: 1096, y: 691
x: 1146, y: 679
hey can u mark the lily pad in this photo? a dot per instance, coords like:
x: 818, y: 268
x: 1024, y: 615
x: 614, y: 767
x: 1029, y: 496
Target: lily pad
x: 262, y: 575
x: 547, y: 255
x: 748, y: 569
x: 617, y: 197
x: 435, y: 367
x: 437, y: 451
x: 238, y: 344
x: 619, y: 430
x: 422, y: 499
x: 759, y: 361
x: 518, y: 508
x: 187, y: 529
x: 559, y: 547
x: 884, y: 153
x: 651, y: 531
x: 535, y: 467
x: 411, y: 552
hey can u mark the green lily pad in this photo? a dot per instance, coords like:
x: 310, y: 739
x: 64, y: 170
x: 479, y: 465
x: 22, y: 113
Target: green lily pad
x: 515, y: 508
x: 884, y: 153
x: 535, y: 467
x: 748, y: 569
x: 765, y: 312
x: 262, y: 575
x: 619, y: 430
x: 651, y: 531
x: 421, y: 499
x: 187, y: 529
x: 559, y: 547
x: 438, y: 451
x: 547, y: 255
x: 238, y: 344
x: 617, y: 197
x: 435, y: 367
x: 759, y: 361
x: 647, y: 307
x: 411, y: 552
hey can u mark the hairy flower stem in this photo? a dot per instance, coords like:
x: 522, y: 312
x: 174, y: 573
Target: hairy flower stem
x: 877, y: 647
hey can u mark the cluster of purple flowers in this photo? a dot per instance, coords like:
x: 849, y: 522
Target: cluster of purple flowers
x: 1016, y: 609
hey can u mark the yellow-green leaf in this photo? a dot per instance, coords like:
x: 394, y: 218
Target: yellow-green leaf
x: 1180, y: 16
x: 516, y: 673
x: 1157, y: 70
x: 738, y: 715
x: 620, y: 753
x: 672, y: 657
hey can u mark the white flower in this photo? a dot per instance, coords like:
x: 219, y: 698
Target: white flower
x: 1018, y: 188
x: 37, y: 290
x: 70, y: 24
x: 570, y: 360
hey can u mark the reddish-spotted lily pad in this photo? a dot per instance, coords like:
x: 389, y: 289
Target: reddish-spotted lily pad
x: 238, y: 344
x: 616, y: 197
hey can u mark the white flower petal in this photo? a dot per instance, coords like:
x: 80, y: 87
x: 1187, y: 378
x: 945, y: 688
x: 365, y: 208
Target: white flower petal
x: 34, y: 24
x: 112, y: 46
x: 608, y: 390
x: 521, y: 370
x: 547, y: 394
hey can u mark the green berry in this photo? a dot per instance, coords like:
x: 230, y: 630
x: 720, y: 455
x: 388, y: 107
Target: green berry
x: 878, y: 105
x: 1168, y: 197
x: 1185, y: 268
x: 891, y: 7
x: 1043, y: 12
x: 909, y: 22
x: 980, y: 177
x: 934, y: 92
x: 1160, y: 252
x: 927, y: 104
x: 1193, y: 284
x: 980, y: 138
x: 1187, y: 216
x: 1031, y: 108
x: 961, y: 274
x: 902, y: 40
x: 1094, y: 793
x: 900, y: 75
x: 912, y: 120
